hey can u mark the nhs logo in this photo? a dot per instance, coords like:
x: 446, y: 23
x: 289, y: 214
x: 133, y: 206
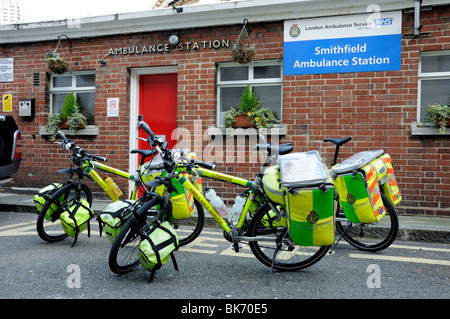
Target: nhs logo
x: 383, y: 21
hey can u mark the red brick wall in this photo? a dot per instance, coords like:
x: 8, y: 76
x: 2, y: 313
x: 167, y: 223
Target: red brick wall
x: 375, y: 108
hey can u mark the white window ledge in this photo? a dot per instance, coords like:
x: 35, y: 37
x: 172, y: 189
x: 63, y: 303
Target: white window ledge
x: 90, y: 130
x: 419, y: 130
x: 220, y: 130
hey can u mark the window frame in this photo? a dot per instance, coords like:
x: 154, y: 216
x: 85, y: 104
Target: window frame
x: 72, y: 88
x: 250, y: 81
x: 424, y: 76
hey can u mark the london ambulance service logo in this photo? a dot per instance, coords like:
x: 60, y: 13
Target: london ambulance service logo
x: 350, y: 198
x: 294, y: 31
x: 312, y: 217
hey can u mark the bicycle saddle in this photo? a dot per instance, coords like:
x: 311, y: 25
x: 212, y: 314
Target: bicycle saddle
x: 280, y: 149
x: 338, y: 141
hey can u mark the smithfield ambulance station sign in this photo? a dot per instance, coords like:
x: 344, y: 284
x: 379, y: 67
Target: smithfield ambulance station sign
x: 351, y: 43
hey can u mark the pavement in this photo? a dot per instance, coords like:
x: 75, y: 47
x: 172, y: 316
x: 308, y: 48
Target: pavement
x: 412, y: 228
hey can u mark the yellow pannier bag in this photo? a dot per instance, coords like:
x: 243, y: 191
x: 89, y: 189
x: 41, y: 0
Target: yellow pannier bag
x: 76, y: 219
x: 271, y: 183
x: 357, y: 180
x: 183, y: 205
x: 309, y: 198
x: 311, y: 216
x: 390, y: 187
x: 44, y: 195
x: 359, y: 195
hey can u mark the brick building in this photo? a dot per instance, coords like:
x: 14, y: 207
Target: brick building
x: 120, y: 58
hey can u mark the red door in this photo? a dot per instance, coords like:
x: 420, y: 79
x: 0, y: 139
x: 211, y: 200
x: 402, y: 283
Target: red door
x: 158, y: 105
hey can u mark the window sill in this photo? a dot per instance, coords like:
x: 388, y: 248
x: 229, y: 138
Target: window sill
x: 90, y: 130
x: 418, y: 130
x: 221, y: 130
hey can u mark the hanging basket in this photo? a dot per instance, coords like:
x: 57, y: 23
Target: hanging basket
x: 243, y: 50
x: 54, y: 62
x: 243, y: 54
x: 58, y: 66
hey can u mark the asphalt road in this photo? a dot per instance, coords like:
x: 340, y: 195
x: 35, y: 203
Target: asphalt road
x: 31, y: 268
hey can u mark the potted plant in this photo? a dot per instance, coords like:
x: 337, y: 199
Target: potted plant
x: 250, y: 113
x: 438, y: 115
x: 70, y: 117
x: 55, y: 63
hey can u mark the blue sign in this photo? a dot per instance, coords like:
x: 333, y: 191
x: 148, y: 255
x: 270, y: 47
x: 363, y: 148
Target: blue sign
x: 343, y: 44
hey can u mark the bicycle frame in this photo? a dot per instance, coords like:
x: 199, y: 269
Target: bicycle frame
x: 221, y: 177
x: 89, y: 166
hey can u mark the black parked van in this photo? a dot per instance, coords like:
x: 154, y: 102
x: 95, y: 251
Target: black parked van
x: 10, y: 156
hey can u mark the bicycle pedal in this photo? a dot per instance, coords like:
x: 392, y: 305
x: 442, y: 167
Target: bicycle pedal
x: 239, y: 246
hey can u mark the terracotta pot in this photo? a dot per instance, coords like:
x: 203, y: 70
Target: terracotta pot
x: 242, y: 120
x: 438, y: 122
x: 65, y: 125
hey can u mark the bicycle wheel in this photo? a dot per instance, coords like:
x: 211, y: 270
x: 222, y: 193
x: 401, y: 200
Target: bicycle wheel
x: 290, y: 257
x: 124, y: 254
x: 373, y: 236
x: 188, y: 229
x: 48, y: 226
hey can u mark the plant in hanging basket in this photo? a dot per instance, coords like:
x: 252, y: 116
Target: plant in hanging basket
x: 55, y: 63
x: 243, y: 54
x: 243, y: 50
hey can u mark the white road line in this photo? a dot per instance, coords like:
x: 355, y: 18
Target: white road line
x: 402, y: 259
x: 15, y: 225
x: 420, y: 248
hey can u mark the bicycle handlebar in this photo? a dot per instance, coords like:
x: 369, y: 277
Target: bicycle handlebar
x: 146, y: 128
x: 68, y: 145
x: 210, y: 166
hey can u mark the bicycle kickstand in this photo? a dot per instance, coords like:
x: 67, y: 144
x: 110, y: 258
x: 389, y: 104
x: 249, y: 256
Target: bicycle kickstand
x: 273, y: 261
x: 349, y: 224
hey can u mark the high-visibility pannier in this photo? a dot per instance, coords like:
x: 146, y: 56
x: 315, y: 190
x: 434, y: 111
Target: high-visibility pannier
x: 358, y: 180
x: 157, y: 246
x: 43, y: 195
x: 271, y: 183
x: 309, y: 198
x: 76, y: 219
x: 390, y: 187
x: 114, y: 216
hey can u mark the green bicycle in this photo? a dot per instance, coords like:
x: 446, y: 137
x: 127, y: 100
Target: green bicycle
x: 261, y: 224
x: 84, y: 165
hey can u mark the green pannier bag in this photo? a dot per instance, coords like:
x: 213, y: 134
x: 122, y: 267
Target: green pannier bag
x: 156, y: 247
x: 76, y: 219
x: 114, y: 216
x: 357, y: 180
x: 309, y: 198
x: 43, y: 195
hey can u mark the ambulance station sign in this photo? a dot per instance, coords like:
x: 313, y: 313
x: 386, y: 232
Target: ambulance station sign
x: 351, y: 43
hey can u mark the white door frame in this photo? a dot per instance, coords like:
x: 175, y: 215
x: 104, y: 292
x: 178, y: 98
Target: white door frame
x: 134, y: 109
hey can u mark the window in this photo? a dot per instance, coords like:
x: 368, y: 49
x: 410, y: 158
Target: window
x: 82, y: 84
x: 265, y: 78
x: 434, y: 81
